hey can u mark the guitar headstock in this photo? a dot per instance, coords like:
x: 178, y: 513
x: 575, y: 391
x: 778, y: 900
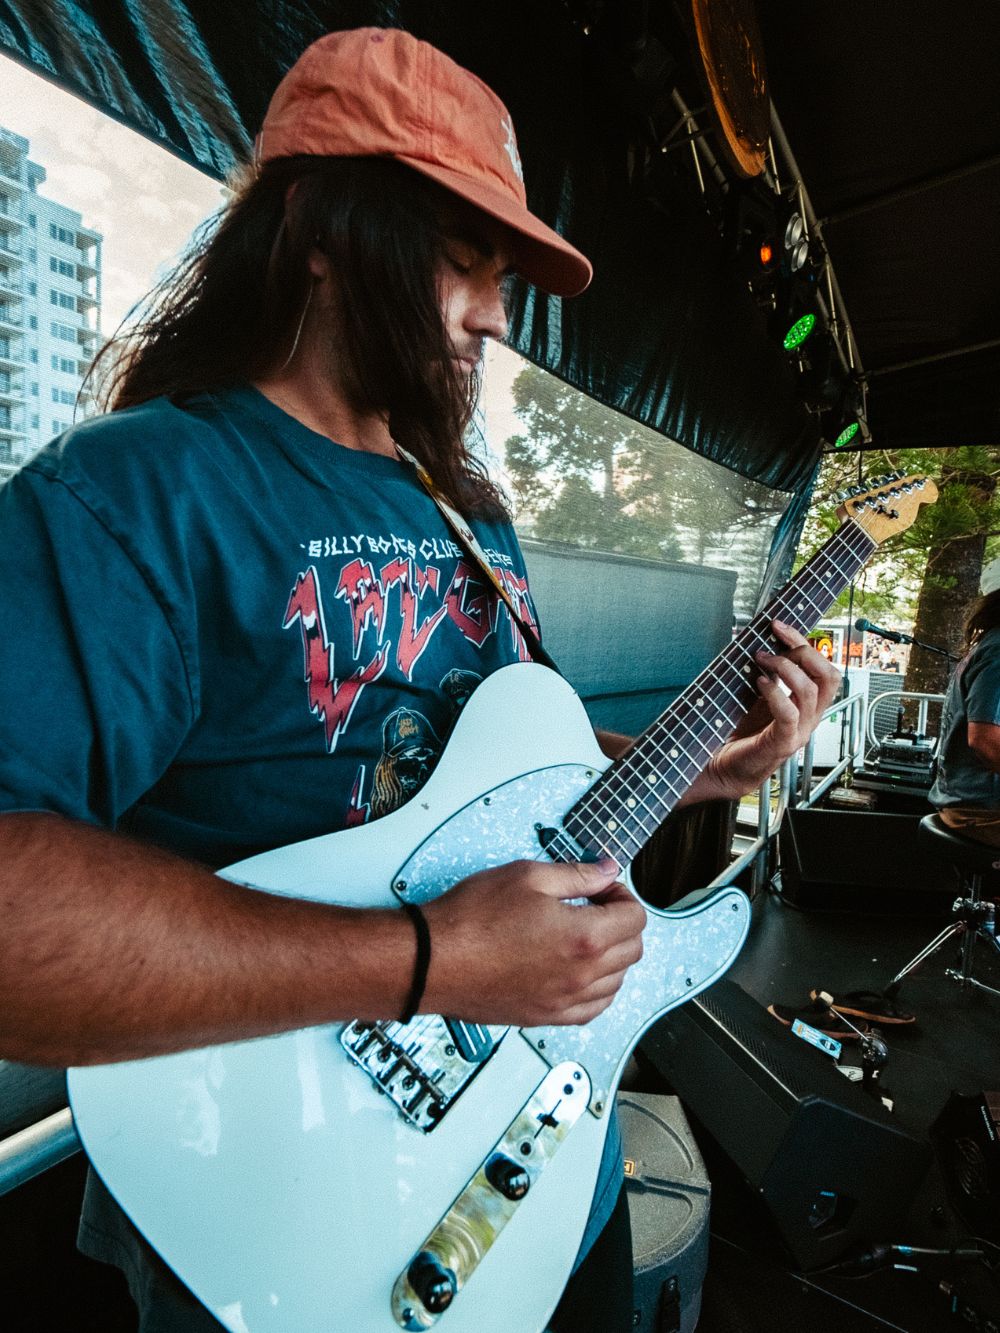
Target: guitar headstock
x: 885, y: 506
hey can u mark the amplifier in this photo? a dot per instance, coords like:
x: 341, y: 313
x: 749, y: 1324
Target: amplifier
x: 830, y: 1163
x: 901, y: 757
x: 865, y: 861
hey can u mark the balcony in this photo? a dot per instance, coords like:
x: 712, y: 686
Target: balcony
x: 12, y: 396
x: 11, y: 182
x: 11, y: 287
x: 9, y: 322
x: 10, y: 218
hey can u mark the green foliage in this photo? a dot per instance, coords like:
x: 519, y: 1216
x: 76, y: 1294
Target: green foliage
x: 585, y: 474
x: 892, y: 581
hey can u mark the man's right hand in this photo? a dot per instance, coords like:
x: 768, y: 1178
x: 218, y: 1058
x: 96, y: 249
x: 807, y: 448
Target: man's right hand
x: 508, y: 948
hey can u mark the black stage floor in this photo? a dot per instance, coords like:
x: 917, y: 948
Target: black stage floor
x: 752, y: 1284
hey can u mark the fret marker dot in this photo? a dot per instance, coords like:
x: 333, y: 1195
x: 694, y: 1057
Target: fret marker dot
x: 651, y: 779
x: 631, y: 802
x: 718, y: 721
x: 802, y: 606
x: 674, y: 752
x: 611, y: 825
x: 700, y: 700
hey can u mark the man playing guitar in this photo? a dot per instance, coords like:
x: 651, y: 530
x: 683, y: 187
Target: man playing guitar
x: 231, y: 610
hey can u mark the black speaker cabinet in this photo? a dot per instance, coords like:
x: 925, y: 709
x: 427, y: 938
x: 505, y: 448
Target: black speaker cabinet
x: 831, y: 1164
x: 861, y: 861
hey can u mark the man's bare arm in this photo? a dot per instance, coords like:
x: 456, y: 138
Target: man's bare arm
x: 113, y: 950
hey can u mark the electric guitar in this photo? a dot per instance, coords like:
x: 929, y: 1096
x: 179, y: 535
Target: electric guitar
x: 370, y: 1177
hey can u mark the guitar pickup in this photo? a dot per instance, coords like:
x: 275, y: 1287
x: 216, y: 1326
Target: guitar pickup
x: 440, y: 1268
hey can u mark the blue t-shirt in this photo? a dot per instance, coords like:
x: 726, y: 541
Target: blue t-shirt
x: 973, y: 696
x: 228, y: 633
x: 224, y: 633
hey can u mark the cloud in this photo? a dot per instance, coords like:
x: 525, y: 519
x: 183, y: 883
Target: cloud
x: 143, y: 200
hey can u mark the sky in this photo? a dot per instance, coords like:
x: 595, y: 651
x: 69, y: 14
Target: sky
x: 146, y: 203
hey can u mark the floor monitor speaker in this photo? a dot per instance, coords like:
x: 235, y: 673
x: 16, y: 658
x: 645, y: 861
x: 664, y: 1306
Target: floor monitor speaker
x: 831, y: 1164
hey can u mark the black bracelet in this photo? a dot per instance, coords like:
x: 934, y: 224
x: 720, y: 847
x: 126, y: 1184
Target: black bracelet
x: 421, y: 963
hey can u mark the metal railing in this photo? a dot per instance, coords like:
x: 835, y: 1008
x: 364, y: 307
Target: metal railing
x: 795, y: 787
x: 33, y: 1150
x: 806, y: 793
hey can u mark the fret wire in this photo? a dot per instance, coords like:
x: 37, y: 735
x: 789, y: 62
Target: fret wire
x: 592, y: 824
x: 696, y: 763
x: 627, y: 817
x: 720, y: 681
x: 691, y: 731
x: 620, y: 817
x: 625, y: 812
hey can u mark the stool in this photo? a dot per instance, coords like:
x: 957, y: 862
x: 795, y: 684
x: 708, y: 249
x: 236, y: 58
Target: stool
x: 974, y: 919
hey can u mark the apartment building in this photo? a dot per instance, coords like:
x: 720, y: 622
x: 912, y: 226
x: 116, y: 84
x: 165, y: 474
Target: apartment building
x: 50, y: 301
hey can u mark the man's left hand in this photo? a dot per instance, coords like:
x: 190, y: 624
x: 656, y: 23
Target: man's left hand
x: 796, y: 687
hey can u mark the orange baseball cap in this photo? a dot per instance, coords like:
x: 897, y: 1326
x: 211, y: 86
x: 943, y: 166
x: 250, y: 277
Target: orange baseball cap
x: 373, y: 92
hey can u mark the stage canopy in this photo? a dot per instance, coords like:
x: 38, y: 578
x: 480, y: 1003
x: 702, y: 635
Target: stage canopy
x: 892, y: 115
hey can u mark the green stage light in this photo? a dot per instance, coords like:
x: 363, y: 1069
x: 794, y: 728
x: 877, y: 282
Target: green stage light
x: 799, y: 332
x: 847, y: 435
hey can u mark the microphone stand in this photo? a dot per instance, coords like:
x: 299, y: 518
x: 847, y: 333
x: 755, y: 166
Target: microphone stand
x: 927, y: 647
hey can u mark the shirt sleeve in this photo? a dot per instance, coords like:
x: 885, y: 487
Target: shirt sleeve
x: 982, y: 683
x: 96, y: 694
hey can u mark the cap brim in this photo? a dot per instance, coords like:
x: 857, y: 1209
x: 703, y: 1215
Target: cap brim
x: 540, y: 254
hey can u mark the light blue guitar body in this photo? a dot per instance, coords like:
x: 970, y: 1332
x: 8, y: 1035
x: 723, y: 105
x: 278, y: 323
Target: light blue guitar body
x: 293, y: 1182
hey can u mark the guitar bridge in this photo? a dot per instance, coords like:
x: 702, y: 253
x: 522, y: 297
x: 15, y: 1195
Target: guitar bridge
x: 419, y: 1065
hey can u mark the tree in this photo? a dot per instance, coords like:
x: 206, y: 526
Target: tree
x: 586, y: 474
x: 929, y: 575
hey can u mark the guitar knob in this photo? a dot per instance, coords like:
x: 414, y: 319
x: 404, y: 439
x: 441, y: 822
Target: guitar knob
x: 508, y: 1177
x: 434, y: 1284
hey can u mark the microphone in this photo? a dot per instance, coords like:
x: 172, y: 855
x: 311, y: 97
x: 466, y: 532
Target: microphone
x: 889, y: 634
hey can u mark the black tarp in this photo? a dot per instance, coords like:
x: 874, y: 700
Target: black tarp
x: 666, y: 334
x: 893, y: 114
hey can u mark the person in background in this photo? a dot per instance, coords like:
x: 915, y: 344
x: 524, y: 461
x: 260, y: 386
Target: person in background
x: 966, y: 789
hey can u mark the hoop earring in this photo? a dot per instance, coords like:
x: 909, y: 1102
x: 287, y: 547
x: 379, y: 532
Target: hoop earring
x: 298, y: 331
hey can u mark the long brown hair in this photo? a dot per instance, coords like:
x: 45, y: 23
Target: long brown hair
x: 230, y: 310
x: 983, y: 615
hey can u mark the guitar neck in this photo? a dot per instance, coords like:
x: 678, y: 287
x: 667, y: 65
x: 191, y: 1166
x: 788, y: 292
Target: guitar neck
x: 628, y: 803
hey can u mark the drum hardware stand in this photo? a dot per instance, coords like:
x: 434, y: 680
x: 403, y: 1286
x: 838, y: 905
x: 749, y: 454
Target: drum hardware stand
x: 975, y: 920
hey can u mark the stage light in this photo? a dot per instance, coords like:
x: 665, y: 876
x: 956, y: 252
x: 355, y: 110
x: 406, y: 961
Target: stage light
x: 841, y: 424
x: 796, y: 243
x: 847, y: 435
x: 799, y: 332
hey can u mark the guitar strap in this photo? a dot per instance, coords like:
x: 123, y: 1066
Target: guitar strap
x: 469, y: 543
